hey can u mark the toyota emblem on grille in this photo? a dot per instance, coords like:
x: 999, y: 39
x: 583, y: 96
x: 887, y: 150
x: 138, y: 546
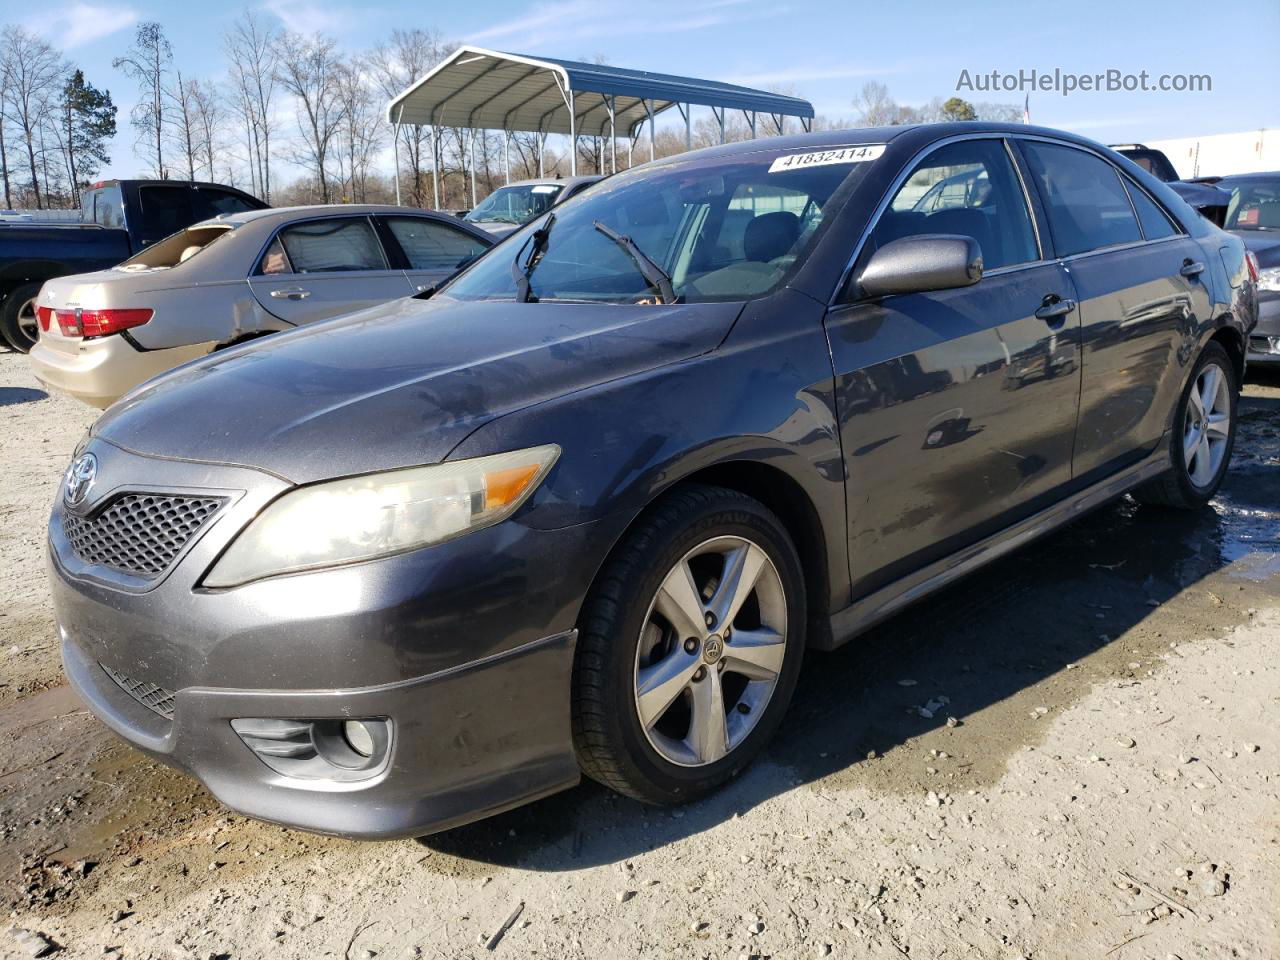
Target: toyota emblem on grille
x: 80, y: 477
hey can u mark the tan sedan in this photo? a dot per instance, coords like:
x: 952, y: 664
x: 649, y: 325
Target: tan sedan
x: 227, y: 280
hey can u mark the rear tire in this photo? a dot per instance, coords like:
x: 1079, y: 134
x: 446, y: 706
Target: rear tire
x: 670, y: 701
x: 18, y: 323
x: 1202, y: 437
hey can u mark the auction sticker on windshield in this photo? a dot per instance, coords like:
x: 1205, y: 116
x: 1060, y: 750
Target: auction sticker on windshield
x: 822, y: 158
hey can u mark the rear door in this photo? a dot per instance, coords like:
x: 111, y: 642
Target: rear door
x: 1140, y: 282
x: 325, y: 267
x: 429, y: 249
x: 957, y: 407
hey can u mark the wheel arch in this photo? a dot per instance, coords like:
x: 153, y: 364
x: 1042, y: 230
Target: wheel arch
x: 1232, y: 340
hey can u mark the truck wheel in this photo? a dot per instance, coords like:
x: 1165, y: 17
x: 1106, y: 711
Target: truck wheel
x: 18, y: 324
x: 690, y: 646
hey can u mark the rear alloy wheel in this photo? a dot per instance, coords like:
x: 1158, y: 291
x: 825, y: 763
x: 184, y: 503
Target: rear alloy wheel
x: 689, y: 647
x: 1203, y: 435
x: 18, y: 323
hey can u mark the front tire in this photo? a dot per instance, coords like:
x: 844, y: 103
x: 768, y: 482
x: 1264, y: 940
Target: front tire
x: 18, y: 324
x: 1203, y: 435
x: 689, y: 647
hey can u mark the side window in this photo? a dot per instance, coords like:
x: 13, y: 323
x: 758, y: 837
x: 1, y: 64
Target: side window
x: 431, y: 245
x: 1155, y: 222
x: 211, y: 203
x: 274, y: 260
x: 329, y: 246
x: 1088, y: 206
x: 967, y: 188
x: 165, y: 210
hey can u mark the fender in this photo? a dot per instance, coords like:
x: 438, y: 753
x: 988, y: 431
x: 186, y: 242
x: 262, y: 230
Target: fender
x: 782, y: 414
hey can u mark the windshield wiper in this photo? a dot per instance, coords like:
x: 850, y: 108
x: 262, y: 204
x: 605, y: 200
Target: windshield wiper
x: 653, y: 274
x: 538, y: 245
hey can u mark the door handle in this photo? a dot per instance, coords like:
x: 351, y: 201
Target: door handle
x: 1055, y: 307
x: 293, y: 293
x: 1191, y: 268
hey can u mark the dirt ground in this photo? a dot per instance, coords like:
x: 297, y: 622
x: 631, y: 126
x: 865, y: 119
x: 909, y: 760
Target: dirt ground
x: 1110, y: 787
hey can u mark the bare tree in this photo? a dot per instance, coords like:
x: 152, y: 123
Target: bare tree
x: 876, y: 108
x: 148, y: 63
x: 33, y: 77
x: 185, y: 127
x: 360, y: 133
x: 251, y: 46
x: 309, y: 69
x: 208, y: 108
x: 406, y: 58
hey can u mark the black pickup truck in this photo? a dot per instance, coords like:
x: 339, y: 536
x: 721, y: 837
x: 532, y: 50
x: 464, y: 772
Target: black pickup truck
x: 118, y: 218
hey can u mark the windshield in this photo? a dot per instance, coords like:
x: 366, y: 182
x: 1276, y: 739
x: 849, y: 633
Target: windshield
x: 515, y: 204
x: 1255, y: 204
x: 719, y: 229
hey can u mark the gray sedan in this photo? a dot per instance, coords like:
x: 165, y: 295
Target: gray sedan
x: 233, y: 278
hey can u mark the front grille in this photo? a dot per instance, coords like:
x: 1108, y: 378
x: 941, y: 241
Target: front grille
x: 140, y: 534
x: 1264, y: 344
x: 150, y: 695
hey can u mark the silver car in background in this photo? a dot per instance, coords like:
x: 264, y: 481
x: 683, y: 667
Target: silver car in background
x: 233, y: 278
x: 510, y: 207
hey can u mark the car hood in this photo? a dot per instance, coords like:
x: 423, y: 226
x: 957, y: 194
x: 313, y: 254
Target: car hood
x: 396, y: 385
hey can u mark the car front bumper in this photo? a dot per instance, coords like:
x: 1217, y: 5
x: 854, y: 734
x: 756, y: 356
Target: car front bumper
x: 100, y: 371
x: 1264, y: 339
x: 466, y: 648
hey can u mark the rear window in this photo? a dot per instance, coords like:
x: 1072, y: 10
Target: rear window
x: 431, y: 245
x: 105, y: 207
x: 178, y: 248
x: 211, y: 203
x: 165, y: 210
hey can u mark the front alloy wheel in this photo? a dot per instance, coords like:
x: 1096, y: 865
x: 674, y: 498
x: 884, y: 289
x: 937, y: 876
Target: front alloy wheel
x: 711, y: 649
x: 689, y: 645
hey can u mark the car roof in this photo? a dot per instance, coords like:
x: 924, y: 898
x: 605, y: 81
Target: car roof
x: 1267, y: 175
x: 558, y: 181
x: 273, y: 216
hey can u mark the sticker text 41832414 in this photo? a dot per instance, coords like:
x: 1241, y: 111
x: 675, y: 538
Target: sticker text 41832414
x: 822, y: 158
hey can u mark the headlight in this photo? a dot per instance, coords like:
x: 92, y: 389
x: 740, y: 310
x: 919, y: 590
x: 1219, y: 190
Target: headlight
x: 358, y: 518
x: 1269, y: 279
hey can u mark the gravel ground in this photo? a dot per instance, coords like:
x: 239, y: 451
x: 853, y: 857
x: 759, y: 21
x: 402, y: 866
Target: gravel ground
x: 1098, y: 778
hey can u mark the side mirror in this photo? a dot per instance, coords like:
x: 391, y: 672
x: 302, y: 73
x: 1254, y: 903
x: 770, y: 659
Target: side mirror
x: 921, y: 263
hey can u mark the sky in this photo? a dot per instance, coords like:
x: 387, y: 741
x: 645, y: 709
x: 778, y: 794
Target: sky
x: 823, y: 50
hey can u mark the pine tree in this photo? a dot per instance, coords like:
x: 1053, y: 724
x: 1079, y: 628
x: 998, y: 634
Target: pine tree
x: 89, y: 123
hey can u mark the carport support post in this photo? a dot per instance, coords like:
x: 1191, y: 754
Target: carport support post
x: 653, y: 133
x: 687, y: 110
x: 395, y: 149
x: 573, y: 136
x: 473, y: 167
x: 613, y: 136
x: 753, y: 124
x: 506, y: 153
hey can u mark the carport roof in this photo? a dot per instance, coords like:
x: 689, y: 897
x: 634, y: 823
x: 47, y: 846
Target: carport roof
x: 488, y: 89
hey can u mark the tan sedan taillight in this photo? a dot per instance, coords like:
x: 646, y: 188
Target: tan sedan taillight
x: 100, y: 323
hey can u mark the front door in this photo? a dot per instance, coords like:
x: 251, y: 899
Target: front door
x: 958, y: 408
x: 325, y: 268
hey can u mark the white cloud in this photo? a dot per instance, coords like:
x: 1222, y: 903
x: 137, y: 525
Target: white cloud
x: 76, y: 24
x: 561, y: 21
x: 300, y: 16
x: 810, y: 74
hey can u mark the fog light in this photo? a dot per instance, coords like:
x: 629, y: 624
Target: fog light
x: 359, y: 737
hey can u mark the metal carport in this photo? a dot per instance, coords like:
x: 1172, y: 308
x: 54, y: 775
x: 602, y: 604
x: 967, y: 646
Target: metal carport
x: 482, y: 89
